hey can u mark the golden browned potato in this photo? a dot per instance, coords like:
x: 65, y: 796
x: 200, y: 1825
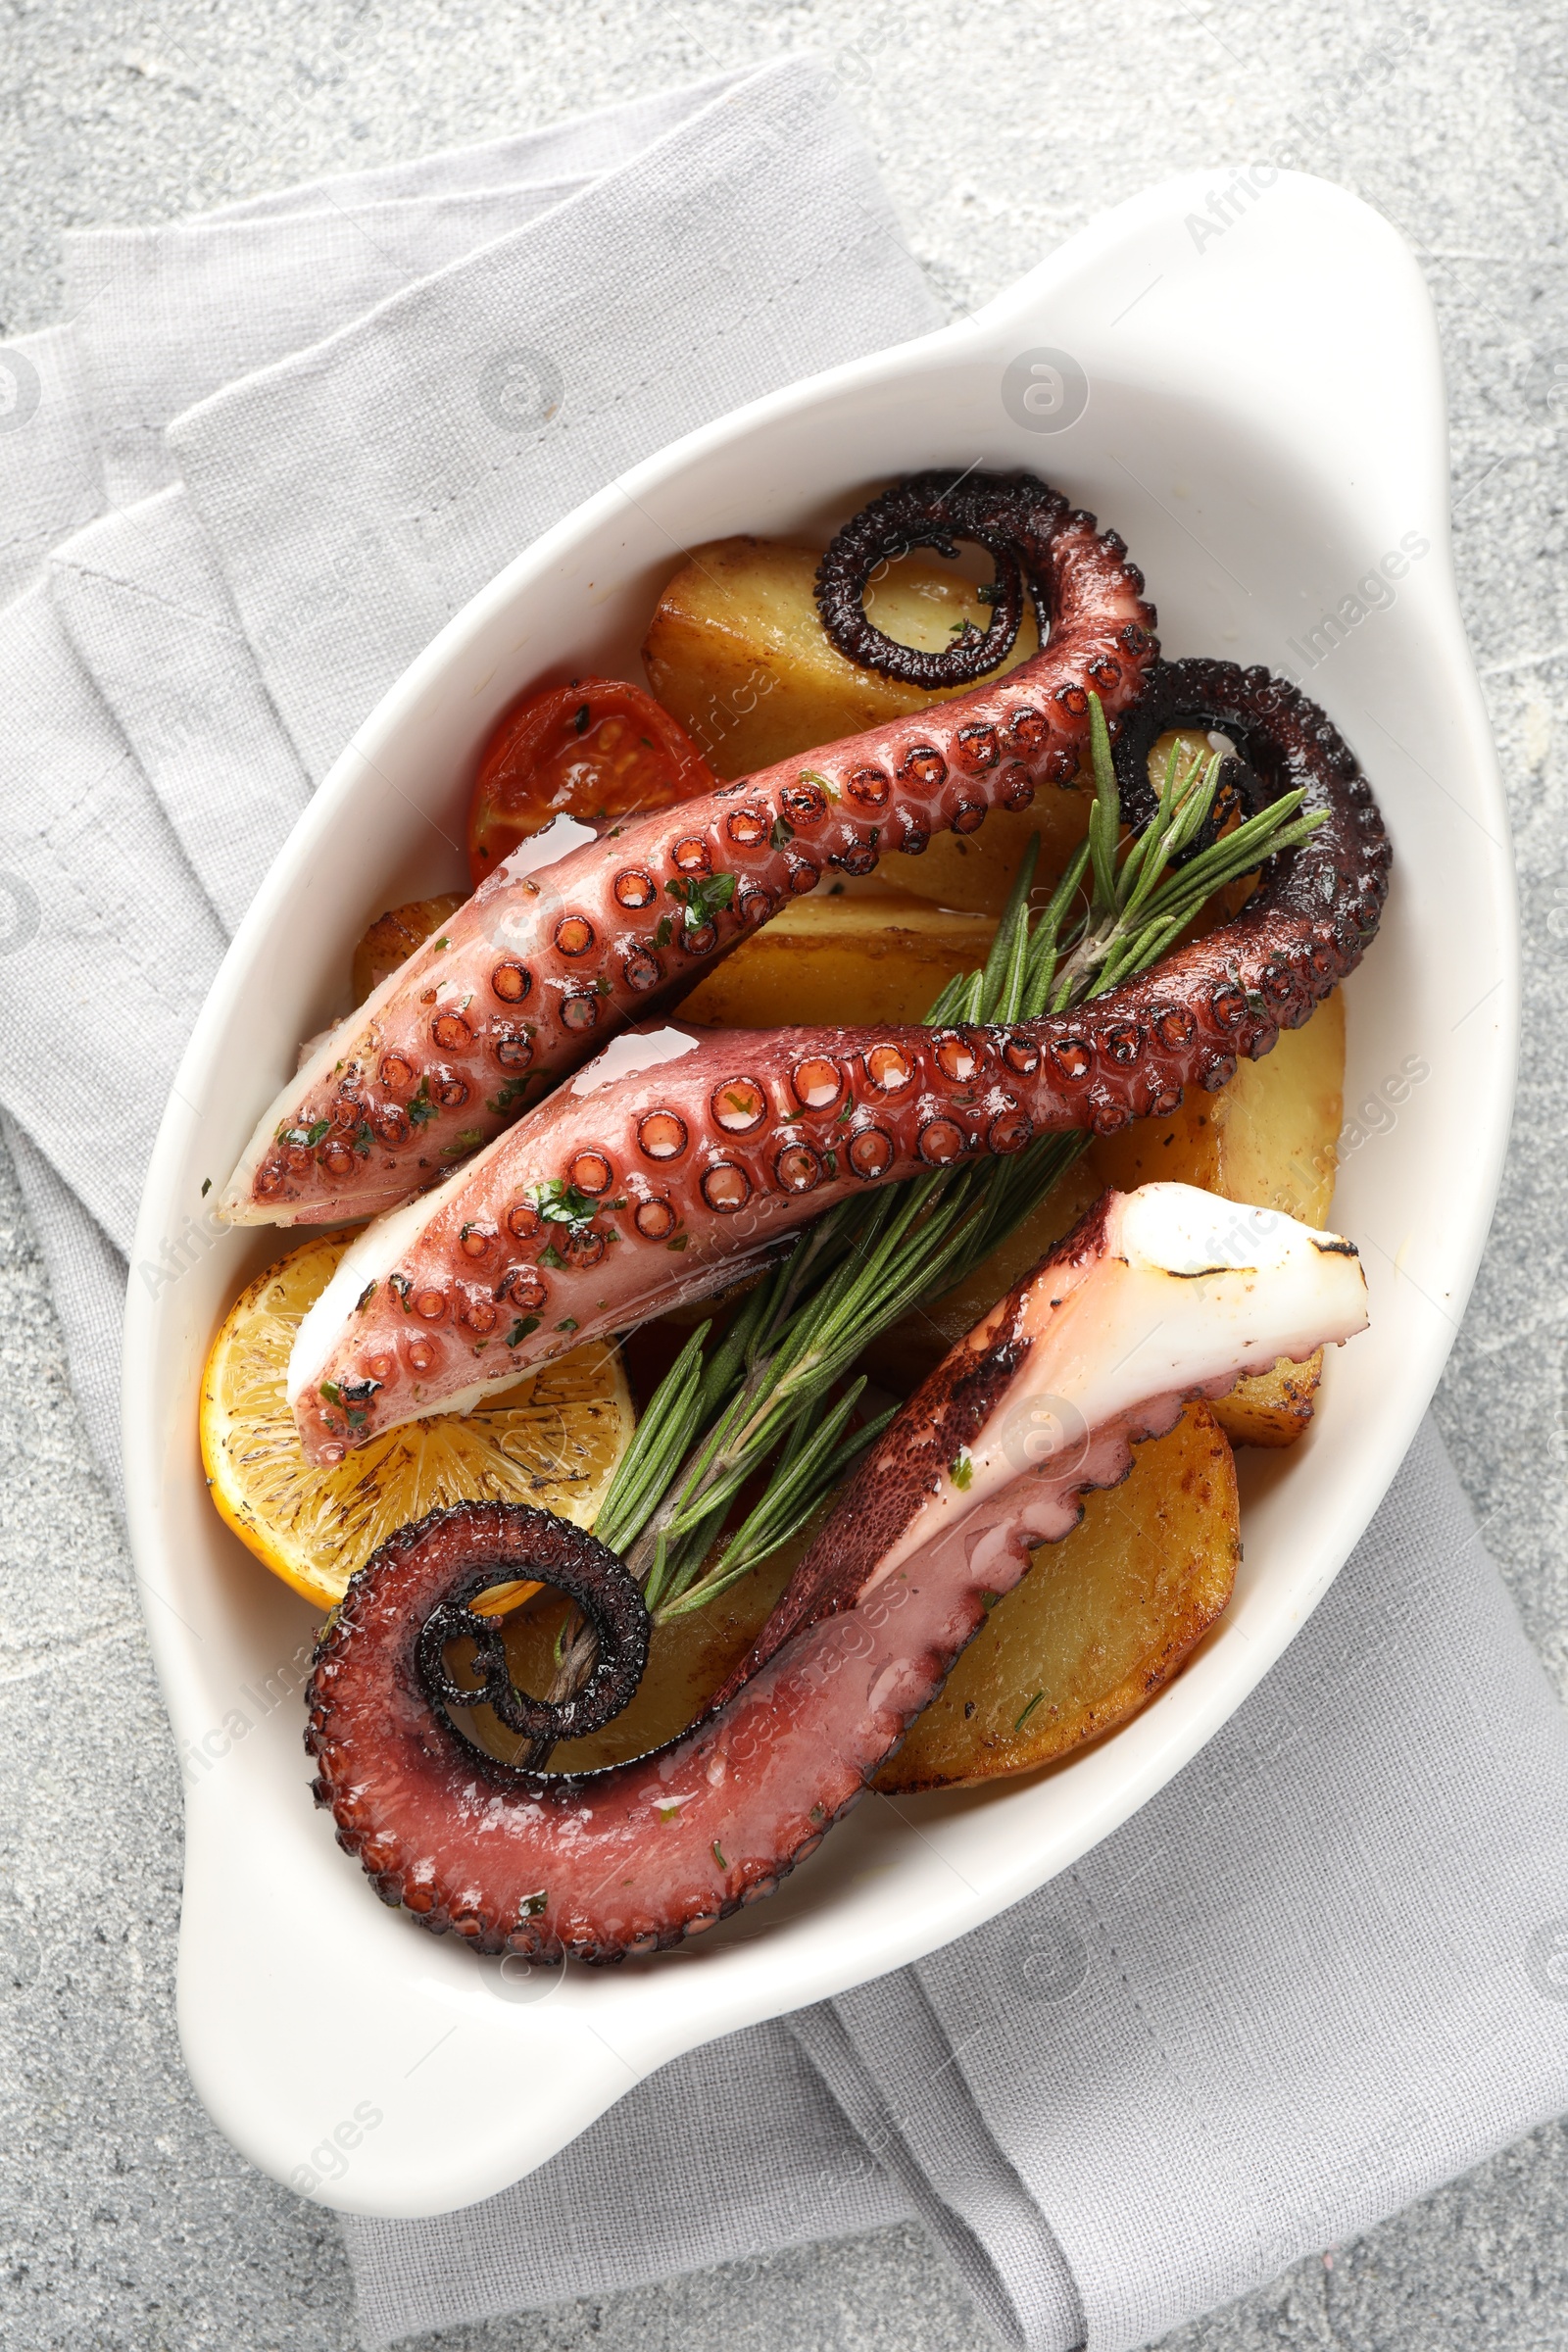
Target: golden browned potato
x: 827, y: 960
x: 1100, y: 1622
x: 1275, y: 1407
x: 1270, y: 1139
x: 393, y: 937
x: 737, y: 652
x: 976, y: 869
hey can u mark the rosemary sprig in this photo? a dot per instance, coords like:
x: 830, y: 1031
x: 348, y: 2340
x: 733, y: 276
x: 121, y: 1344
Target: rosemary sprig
x: 763, y: 1391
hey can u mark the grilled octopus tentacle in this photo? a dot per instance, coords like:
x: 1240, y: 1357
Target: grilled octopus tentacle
x: 658, y: 1169
x: 537, y: 970
x: 1156, y: 1296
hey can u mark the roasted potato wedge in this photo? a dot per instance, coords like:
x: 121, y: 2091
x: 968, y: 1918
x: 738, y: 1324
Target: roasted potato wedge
x: 831, y: 959
x: 1100, y: 1622
x: 1270, y: 1139
x: 736, y: 652
x: 975, y: 870
x: 393, y: 937
x: 1273, y: 1408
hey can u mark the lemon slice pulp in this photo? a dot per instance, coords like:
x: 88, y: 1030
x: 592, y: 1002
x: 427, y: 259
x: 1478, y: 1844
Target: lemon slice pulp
x: 551, y: 1438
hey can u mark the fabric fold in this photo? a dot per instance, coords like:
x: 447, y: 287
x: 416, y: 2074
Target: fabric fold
x: 166, y: 315
x: 883, y: 2054
x: 579, y: 146
x: 51, y: 477
x: 116, y: 942
x: 147, y: 612
x: 737, y: 2149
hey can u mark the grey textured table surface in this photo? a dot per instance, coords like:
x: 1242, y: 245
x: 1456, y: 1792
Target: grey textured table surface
x: 1000, y: 128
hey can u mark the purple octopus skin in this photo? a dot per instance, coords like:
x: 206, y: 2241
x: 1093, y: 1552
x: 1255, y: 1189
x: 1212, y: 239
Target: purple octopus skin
x: 1156, y: 1296
x: 539, y: 969
x: 655, y: 1173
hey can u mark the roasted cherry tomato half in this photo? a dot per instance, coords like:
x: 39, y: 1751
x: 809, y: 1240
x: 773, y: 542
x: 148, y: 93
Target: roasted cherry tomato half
x: 597, y: 749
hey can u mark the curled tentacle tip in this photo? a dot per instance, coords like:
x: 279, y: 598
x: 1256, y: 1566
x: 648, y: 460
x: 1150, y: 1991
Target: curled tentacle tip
x: 1015, y: 518
x: 474, y: 1546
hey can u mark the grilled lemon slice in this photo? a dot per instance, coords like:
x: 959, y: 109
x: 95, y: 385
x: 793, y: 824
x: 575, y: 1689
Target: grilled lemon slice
x: 553, y: 1438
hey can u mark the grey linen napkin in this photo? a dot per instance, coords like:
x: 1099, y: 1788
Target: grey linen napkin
x: 1327, y: 1968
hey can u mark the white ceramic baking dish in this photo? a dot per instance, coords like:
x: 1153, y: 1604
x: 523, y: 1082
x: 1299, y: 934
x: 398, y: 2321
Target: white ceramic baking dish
x: 1240, y: 371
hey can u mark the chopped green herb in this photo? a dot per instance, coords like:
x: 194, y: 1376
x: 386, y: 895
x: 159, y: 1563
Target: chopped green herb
x: 331, y: 1392
x: 1028, y: 1710
x: 568, y: 1323
x: 206, y: 1185
x: 702, y: 897
x: 782, y: 835
x: 961, y: 1470
x: 421, y: 1111
x: 519, y: 1330
x: 550, y: 1255
x: 718, y: 1856
x: 564, y: 1203
x: 364, y: 1298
